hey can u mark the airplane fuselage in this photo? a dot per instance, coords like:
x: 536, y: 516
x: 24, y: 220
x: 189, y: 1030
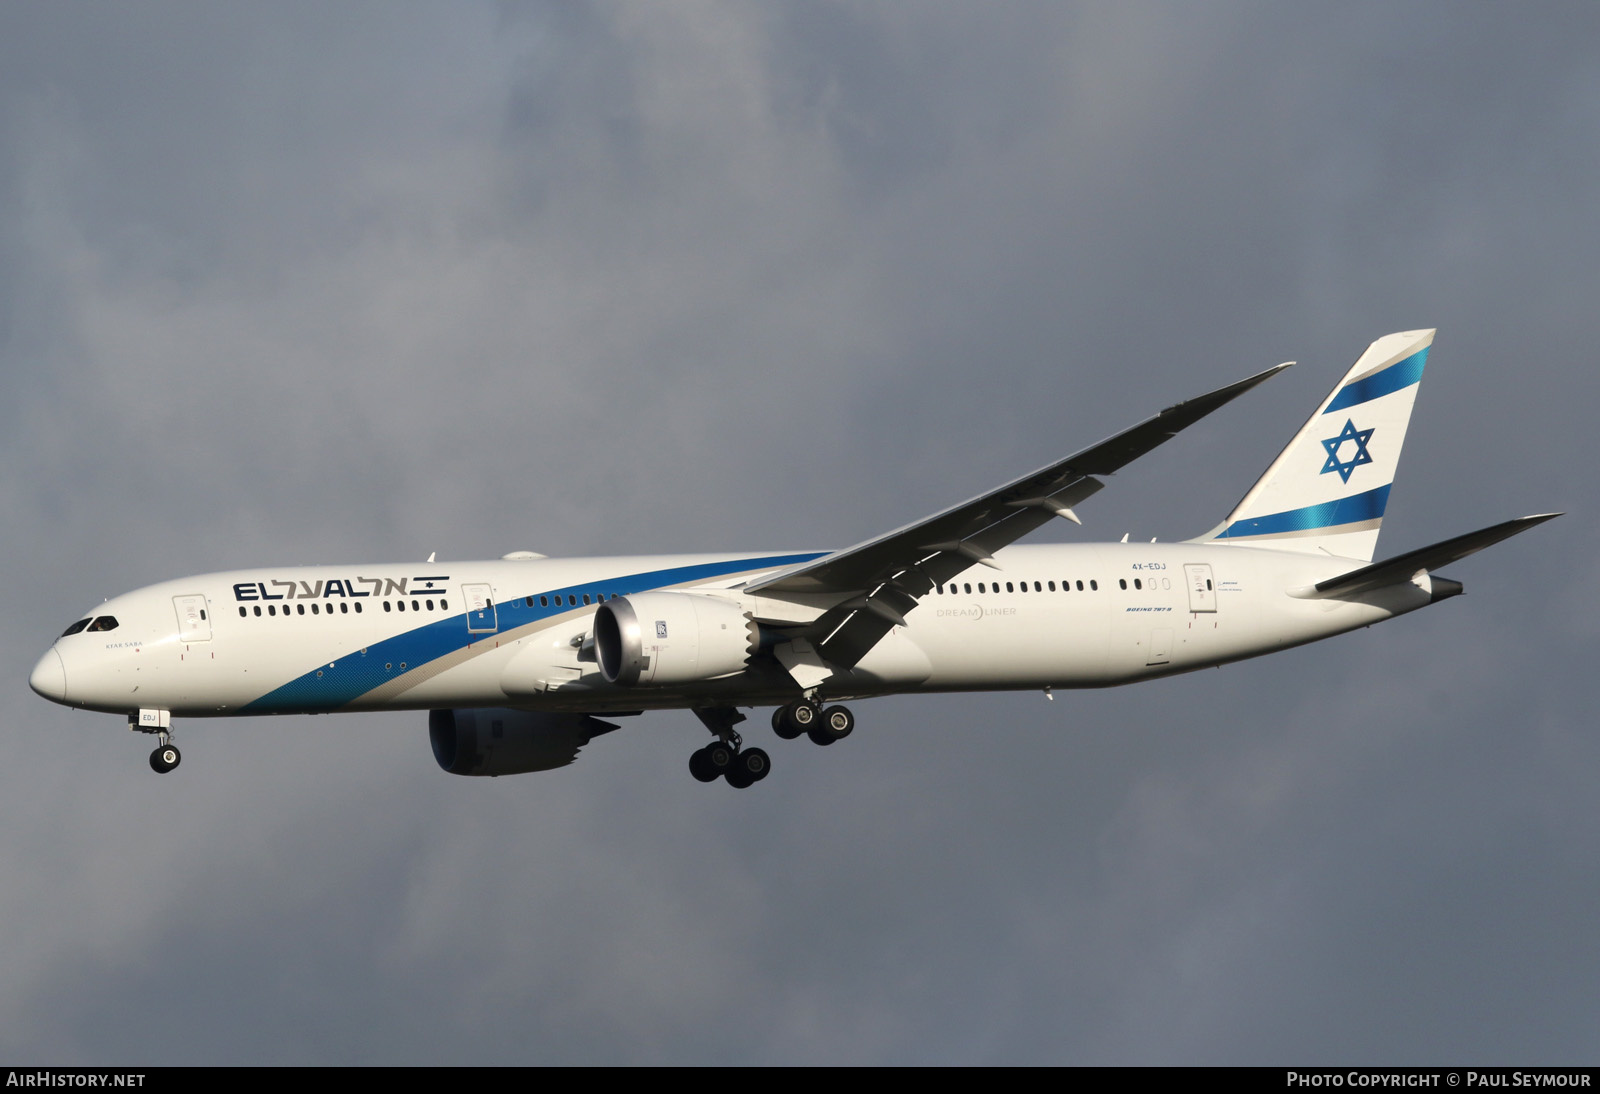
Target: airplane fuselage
x: 519, y: 633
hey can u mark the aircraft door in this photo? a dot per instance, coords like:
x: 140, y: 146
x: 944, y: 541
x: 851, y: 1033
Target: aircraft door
x: 194, y: 625
x: 1202, y: 591
x: 481, y: 615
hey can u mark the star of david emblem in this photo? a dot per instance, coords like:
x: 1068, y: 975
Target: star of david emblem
x: 1333, y: 444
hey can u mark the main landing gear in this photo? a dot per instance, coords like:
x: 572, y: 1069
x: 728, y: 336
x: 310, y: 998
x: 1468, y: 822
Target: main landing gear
x: 724, y: 758
x: 804, y: 717
x: 742, y: 767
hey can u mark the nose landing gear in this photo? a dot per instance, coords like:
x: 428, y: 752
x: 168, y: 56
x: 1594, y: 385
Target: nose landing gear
x: 165, y: 758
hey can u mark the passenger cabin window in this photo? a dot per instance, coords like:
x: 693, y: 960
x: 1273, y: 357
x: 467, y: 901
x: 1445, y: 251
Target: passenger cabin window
x: 104, y: 623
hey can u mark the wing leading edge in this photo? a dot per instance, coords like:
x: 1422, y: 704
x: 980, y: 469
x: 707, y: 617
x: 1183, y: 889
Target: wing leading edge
x: 884, y: 578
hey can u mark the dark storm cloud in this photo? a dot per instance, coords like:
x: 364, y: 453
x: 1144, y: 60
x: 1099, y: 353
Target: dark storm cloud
x: 318, y: 284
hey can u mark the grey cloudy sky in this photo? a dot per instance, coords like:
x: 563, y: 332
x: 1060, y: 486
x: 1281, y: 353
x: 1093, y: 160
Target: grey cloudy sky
x: 300, y: 283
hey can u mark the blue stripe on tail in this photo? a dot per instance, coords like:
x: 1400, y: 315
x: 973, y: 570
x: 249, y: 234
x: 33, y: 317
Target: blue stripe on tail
x: 1398, y: 375
x: 1329, y: 514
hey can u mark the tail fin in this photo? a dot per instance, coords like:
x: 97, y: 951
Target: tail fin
x: 1326, y: 492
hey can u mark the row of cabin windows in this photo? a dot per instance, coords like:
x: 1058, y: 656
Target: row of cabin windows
x: 1018, y: 587
x: 416, y: 605
x: 561, y: 600
x: 344, y: 608
x: 272, y: 609
x: 1039, y: 587
x: 571, y: 599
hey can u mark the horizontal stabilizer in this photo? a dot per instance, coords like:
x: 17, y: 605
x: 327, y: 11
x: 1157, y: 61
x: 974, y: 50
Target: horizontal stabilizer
x: 1402, y: 568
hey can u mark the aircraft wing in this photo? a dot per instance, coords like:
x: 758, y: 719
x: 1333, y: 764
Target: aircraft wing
x: 885, y: 577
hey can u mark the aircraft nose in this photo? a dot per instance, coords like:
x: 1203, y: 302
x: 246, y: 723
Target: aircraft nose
x: 50, y: 677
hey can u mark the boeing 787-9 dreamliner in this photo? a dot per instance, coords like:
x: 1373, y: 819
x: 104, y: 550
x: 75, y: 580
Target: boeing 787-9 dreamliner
x: 520, y: 661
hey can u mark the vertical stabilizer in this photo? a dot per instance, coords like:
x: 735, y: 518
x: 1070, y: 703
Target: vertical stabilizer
x: 1326, y: 492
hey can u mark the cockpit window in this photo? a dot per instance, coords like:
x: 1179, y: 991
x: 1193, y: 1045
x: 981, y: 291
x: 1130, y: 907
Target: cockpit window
x: 104, y: 623
x: 75, y: 628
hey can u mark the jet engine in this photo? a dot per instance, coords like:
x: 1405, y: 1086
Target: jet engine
x: 508, y: 742
x: 660, y: 639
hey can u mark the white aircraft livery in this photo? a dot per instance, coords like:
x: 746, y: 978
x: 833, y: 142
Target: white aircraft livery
x: 520, y: 661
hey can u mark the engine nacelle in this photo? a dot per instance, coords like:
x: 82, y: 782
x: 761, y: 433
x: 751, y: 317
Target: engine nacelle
x: 508, y: 742
x: 660, y: 639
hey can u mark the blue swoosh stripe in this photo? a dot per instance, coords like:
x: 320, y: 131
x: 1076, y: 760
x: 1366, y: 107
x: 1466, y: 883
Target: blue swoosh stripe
x: 1328, y: 514
x: 359, y: 671
x: 1398, y: 375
